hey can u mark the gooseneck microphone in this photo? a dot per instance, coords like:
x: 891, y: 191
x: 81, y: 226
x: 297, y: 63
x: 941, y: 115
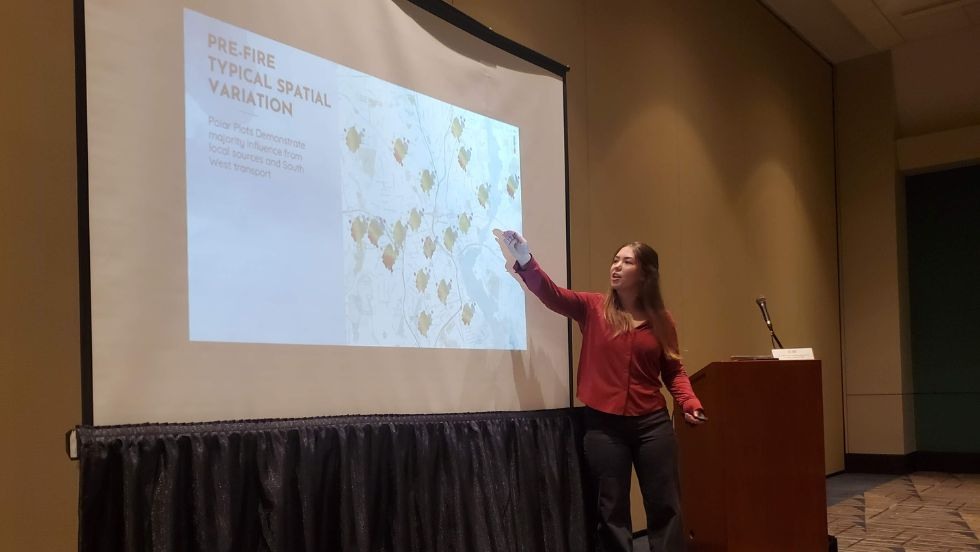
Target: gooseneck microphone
x: 761, y: 301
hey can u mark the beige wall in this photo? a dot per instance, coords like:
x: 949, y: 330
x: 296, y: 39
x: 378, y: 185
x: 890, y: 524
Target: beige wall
x: 711, y: 137
x: 937, y: 83
x: 937, y: 94
x: 939, y: 150
x: 39, y: 331
x: 703, y: 128
x: 706, y: 130
x: 914, y: 109
x: 878, y: 378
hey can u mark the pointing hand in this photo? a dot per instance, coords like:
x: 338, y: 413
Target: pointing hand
x: 515, y: 244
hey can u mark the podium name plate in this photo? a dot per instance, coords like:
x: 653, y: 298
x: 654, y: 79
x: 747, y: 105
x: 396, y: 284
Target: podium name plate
x: 805, y: 353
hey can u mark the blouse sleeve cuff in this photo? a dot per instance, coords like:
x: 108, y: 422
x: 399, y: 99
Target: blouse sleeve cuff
x: 691, y: 406
x: 532, y: 264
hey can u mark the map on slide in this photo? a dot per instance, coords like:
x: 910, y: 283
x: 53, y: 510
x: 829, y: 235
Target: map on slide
x: 424, y: 185
x: 326, y: 206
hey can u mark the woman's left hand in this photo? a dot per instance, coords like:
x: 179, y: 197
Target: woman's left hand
x: 697, y: 418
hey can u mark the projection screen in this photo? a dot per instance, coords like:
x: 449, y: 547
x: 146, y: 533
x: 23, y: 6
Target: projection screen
x: 290, y: 213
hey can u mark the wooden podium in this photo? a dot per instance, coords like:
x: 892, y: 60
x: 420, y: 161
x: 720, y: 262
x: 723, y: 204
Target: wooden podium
x: 752, y: 478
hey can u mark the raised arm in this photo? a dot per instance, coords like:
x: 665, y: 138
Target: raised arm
x: 566, y: 302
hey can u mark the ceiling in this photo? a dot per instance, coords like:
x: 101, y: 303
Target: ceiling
x: 848, y: 29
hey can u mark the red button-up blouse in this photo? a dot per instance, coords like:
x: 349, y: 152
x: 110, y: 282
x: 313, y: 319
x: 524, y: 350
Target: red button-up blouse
x: 617, y: 375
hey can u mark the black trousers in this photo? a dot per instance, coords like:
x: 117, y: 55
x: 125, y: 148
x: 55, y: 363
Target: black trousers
x: 612, y: 445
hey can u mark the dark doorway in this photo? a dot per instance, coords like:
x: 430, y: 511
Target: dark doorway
x: 943, y: 210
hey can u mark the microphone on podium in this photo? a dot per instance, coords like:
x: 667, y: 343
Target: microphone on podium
x: 761, y: 302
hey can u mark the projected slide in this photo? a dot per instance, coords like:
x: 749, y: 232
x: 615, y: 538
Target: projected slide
x: 329, y: 207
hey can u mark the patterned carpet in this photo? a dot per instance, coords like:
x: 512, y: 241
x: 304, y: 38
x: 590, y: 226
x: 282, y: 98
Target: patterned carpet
x: 920, y: 512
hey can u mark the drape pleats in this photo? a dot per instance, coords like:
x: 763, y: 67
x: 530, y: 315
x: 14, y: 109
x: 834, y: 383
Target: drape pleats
x: 503, y: 481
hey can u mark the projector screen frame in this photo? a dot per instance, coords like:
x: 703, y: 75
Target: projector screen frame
x: 437, y: 8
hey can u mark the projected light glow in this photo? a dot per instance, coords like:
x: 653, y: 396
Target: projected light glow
x: 290, y: 212
x: 329, y: 207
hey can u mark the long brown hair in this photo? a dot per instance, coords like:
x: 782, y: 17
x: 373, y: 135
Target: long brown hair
x: 650, y: 300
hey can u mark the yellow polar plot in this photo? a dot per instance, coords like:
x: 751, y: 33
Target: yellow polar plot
x: 398, y: 232
x: 427, y: 180
x: 354, y: 139
x: 358, y: 227
x: 443, y: 289
x: 468, y: 312
x: 400, y: 149
x: 511, y: 186
x: 449, y: 238
x: 388, y: 257
x: 457, y: 127
x: 425, y: 322
x: 429, y: 247
x: 483, y: 195
x: 493, y: 287
x: 421, y: 280
x: 464, y: 222
x: 415, y: 219
x: 376, y: 229
x: 464, y: 157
